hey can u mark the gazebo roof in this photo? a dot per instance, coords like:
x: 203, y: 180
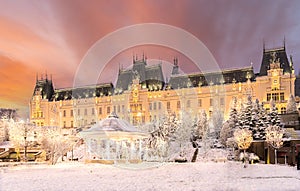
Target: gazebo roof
x: 113, y: 123
x: 113, y: 128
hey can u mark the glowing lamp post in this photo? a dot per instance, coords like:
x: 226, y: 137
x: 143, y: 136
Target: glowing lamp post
x: 25, y: 140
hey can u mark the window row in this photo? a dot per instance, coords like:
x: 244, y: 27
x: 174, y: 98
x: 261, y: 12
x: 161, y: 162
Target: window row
x: 275, y: 96
x: 282, y: 110
x: 93, y: 112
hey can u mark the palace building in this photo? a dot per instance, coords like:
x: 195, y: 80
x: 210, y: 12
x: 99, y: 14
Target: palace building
x: 142, y: 94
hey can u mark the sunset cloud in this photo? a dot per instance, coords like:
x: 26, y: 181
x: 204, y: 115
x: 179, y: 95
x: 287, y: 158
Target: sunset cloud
x: 55, y: 35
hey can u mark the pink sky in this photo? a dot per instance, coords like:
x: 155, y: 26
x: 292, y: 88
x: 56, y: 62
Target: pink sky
x: 54, y: 36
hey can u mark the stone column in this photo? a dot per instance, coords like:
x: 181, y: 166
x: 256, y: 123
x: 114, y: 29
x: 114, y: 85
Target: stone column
x: 131, y: 149
x: 108, y: 149
x: 117, y: 155
x: 140, y: 149
x: 99, y: 147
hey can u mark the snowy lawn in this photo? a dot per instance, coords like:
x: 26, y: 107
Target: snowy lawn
x: 150, y: 176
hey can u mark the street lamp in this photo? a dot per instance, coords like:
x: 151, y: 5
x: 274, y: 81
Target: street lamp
x: 25, y: 143
x: 25, y: 139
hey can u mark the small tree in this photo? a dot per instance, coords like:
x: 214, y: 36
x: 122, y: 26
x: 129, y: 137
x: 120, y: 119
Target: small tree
x: 291, y: 105
x: 217, y: 119
x: 274, y: 135
x: 230, y: 125
x: 160, y: 138
x: 55, y: 143
x: 199, y: 133
x: 243, y: 139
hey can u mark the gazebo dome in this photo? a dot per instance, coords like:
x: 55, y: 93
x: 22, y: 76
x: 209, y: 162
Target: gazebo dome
x: 113, y: 128
x: 113, y: 123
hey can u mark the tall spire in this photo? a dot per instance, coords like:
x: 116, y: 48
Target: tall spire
x: 133, y: 57
x: 291, y: 64
x: 37, y: 76
x: 264, y: 45
x: 143, y: 56
x: 284, y: 42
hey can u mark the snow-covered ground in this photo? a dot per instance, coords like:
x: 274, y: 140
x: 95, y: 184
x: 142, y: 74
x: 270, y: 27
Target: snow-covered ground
x: 150, y: 176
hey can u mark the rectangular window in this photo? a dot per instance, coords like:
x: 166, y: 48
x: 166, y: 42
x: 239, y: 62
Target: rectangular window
x: 71, y: 124
x: 115, y: 109
x: 71, y: 113
x: 78, y: 111
x: 64, y: 113
x: 281, y: 96
x: 276, y: 96
x: 188, y: 103
x: 42, y: 124
x: 168, y: 105
x: 119, y: 109
x: 178, y: 105
x: 93, y: 111
x: 154, y: 106
x: 65, y: 124
x: 222, y: 102
x: 85, y: 111
x: 150, y: 106
x: 123, y: 108
x: 108, y: 110
x: 159, y: 105
x: 211, y: 102
x: 199, y: 102
x: 268, y: 96
x: 100, y: 110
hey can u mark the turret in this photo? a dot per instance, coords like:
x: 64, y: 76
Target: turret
x: 175, y: 67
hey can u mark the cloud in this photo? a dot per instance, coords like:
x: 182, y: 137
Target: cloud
x: 55, y: 35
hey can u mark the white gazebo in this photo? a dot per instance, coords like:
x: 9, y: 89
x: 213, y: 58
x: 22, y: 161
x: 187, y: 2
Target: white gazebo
x: 113, y: 140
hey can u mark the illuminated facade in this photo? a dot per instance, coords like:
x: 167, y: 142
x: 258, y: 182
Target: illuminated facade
x: 141, y: 94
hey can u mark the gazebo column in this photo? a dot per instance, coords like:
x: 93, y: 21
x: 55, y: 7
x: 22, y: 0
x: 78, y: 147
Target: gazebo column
x: 140, y: 149
x: 107, y: 149
x: 99, y: 148
x: 89, y: 148
x: 117, y: 150
x: 131, y: 149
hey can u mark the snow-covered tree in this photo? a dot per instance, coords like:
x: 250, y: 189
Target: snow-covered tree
x: 273, y: 118
x: 217, y: 119
x: 230, y: 125
x: 159, y: 140
x: 4, y: 124
x: 55, y: 143
x: 245, y: 115
x: 274, y: 137
x: 181, y: 144
x: 253, y: 116
x: 22, y: 135
x: 200, y: 133
x: 259, y: 121
x: 291, y: 105
x: 243, y: 139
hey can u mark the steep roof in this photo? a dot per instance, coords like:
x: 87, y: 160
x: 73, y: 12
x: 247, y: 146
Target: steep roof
x: 204, y: 79
x: 83, y: 92
x: 148, y: 75
x: 278, y: 54
x: 112, y: 123
x: 44, y: 87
